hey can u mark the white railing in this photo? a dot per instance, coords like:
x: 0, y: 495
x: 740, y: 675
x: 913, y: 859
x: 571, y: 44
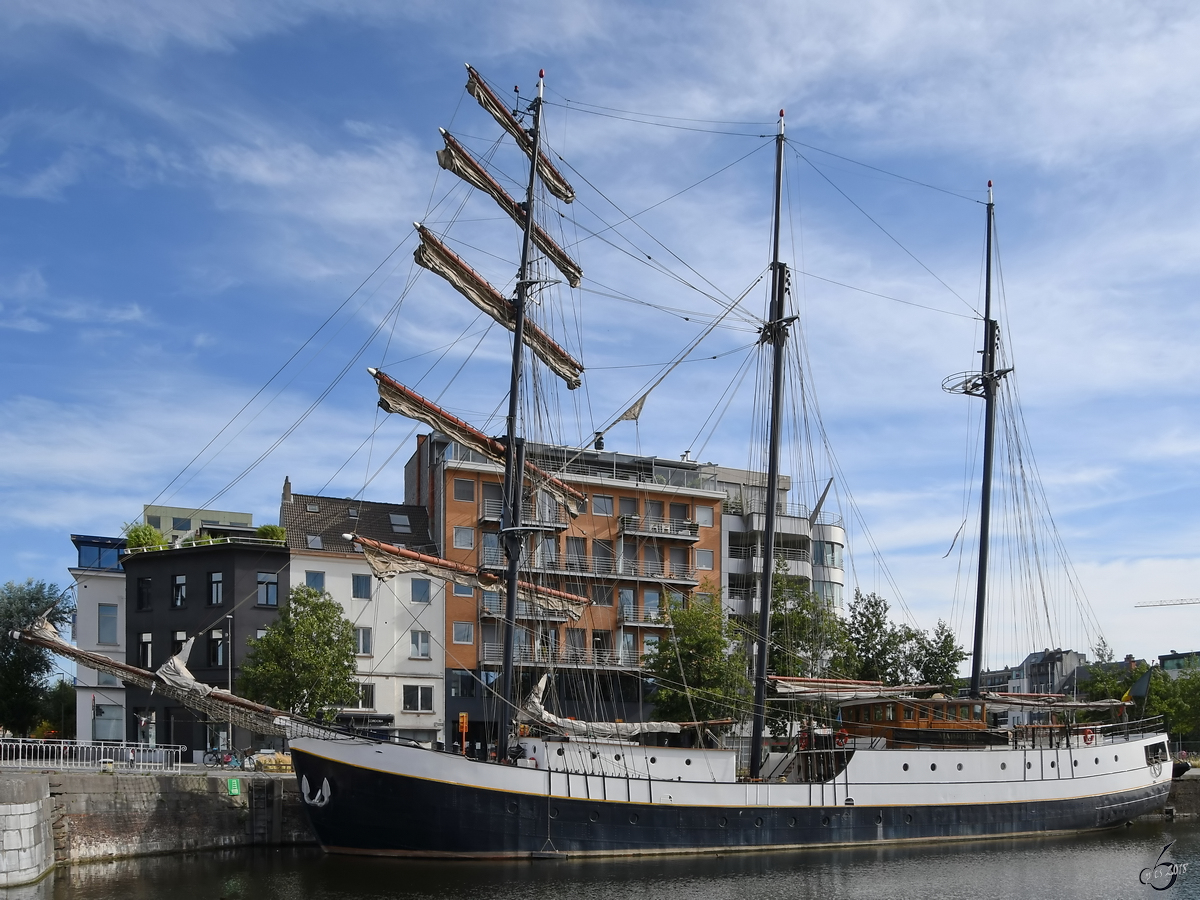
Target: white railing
x: 207, y: 542
x: 653, y: 525
x: 30, y: 753
x: 563, y: 656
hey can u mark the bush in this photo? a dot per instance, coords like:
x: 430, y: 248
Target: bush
x: 143, y: 536
x: 272, y: 532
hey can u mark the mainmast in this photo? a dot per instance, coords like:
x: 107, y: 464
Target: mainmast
x: 775, y: 332
x: 514, y: 461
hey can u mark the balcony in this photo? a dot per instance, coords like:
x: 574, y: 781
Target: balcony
x: 531, y: 516
x: 581, y: 566
x: 563, y: 656
x: 650, y: 526
x: 494, y: 606
x: 629, y: 615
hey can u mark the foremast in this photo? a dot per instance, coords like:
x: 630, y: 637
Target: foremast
x: 514, y: 460
x: 774, y: 332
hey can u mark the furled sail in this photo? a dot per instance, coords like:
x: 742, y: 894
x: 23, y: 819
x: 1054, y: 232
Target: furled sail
x: 839, y: 690
x: 388, y: 560
x: 396, y: 398
x: 533, y: 711
x: 455, y: 158
x: 432, y: 254
x: 487, y: 98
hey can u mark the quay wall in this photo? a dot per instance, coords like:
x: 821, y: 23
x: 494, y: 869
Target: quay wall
x: 72, y: 817
x: 1184, y: 799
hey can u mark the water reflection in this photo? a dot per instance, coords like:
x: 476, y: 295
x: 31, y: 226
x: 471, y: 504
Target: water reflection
x: 1106, y: 865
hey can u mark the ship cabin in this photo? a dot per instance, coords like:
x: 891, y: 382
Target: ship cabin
x: 938, y: 721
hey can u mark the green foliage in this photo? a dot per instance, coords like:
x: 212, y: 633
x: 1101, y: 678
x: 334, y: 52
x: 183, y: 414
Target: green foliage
x: 57, y: 712
x: 938, y: 655
x: 202, y: 540
x: 271, y: 532
x: 697, y: 671
x: 23, y: 669
x: 143, y: 535
x: 899, y: 654
x: 305, y: 662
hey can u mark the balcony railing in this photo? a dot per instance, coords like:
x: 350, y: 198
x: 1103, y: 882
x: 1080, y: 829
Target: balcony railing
x: 630, y: 615
x: 746, y: 507
x: 206, y: 542
x: 531, y: 514
x: 493, y: 558
x: 524, y: 655
x: 652, y: 526
x: 493, y: 605
x: 753, y: 551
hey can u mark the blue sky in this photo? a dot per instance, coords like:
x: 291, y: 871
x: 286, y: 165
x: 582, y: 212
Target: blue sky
x: 189, y: 190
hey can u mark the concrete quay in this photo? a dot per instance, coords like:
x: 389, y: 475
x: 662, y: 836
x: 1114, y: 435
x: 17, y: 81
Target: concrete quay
x: 60, y: 818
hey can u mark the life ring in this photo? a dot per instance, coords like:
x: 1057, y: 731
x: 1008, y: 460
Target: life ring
x: 802, y: 740
x: 841, y: 737
x: 1088, y: 736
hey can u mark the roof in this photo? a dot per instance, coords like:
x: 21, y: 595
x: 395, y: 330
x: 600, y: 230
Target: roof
x: 93, y: 540
x: 318, y: 523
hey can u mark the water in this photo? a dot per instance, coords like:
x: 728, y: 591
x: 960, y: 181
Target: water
x: 1095, y: 866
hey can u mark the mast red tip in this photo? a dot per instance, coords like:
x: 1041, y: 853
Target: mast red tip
x: 541, y: 73
x: 989, y: 182
x: 781, y: 114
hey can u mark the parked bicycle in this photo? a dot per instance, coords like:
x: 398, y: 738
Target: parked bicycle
x: 216, y: 758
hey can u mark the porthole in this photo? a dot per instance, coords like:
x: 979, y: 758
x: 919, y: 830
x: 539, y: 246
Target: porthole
x: 906, y: 767
x: 687, y: 762
x: 653, y: 760
x: 908, y: 819
x: 554, y: 812
x: 560, y: 751
x: 633, y: 818
x: 960, y: 767
x: 933, y: 767
x: 1003, y: 766
x: 1097, y: 760
x: 825, y: 820
x: 1029, y: 765
x: 758, y: 822
x: 593, y: 754
x: 1075, y: 764
x: 617, y: 757
x: 792, y: 822
x: 593, y: 816
x: 1052, y: 764
x: 878, y: 818
x: 1116, y: 758
x: 722, y: 821
x: 512, y: 806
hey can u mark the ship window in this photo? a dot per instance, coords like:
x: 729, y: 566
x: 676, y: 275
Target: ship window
x: 878, y: 713
x: 964, y: 713
x: 951, y: 712
x: 890, y: 714
x: 977, y: 712
x: 939, y: 711
x: 908, y: 713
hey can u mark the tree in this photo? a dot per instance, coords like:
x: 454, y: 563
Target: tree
x: 56, y: 711
x: 885, y: 652
x: 271, y: 532
x: 143, y: 535
x: 697, y: 673
x: 305, y: 662
x: 938, y: 655
x: 23, y: 668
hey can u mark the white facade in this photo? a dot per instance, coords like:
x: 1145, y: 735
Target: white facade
x: 99, y: 627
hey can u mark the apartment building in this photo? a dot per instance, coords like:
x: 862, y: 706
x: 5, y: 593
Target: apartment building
x: 99, y: 627
x: 647, y: 533
x: 179, y: 522
x: 809, y: 547
x: 398, y: 623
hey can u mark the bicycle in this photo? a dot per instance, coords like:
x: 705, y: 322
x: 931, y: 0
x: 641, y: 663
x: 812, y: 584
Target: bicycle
x: 215, y: 757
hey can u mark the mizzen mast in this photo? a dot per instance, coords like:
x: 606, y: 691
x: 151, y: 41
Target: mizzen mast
x: 774, y: 332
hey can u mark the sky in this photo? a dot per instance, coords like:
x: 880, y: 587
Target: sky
x: 207, y: 237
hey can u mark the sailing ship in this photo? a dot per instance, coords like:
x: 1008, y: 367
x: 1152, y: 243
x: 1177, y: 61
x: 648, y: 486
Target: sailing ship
x: 894, y: 764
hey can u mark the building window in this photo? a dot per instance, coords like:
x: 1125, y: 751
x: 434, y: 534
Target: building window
x: 601, y: 505
x: 602, y: 595
x: 464, y: 489
x: 313, y: 507
x: 180, y: 524
x: 352, y: 512
x: 108, y: 722
x: 400, y: 523
x: 366, y: 696
x: 260, y: 633
x: 704, y: 516
x: 650, y: 603
x: 491, y: 602
x: 143, y: 593
x: 178, y: 639
x: 628, y: 506
x: 179, y: 592
x: 464, y: 632
x: 603, y: 560
x: 154, y: 522
x: 462, y: 683
x: 315, y: 580
x: 463, y: 590
x: 146, y: 650
x: 577, y: 553
x: 419, y: 648
x: 704, y: 559
x: 421, y: 590
x: 418, y: 698
x: 362, y: 641
x: 106, y: 628
x: 216, y: 588
x: 268, y: 589
x: 464, y: 538
x: 216, y: 648
x: 360, y: 587
x: 679, y: 511
x: 314, y: 542
x: 103, y: 679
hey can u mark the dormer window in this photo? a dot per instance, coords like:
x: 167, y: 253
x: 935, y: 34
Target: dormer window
x: 400, y: 523
x: 353, y: 512
x: 313, y: 507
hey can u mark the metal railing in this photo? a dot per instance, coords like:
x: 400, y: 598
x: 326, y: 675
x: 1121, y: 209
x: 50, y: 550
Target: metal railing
x: 572, y: 564
x: 563, y: 656
x: 206, y: 542
x: 753, y: 551
x: 657, y: 527
x: 632, y: 615
x: 745, y: 507
x: 30, y: 753
x: 531, y: 514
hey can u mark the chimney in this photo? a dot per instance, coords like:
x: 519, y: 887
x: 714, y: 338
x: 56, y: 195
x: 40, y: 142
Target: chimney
x: 287, y: 489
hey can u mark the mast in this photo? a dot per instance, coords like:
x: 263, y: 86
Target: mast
x: 775, y: 332
x: 989, y: 377
x: 514, y: 459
